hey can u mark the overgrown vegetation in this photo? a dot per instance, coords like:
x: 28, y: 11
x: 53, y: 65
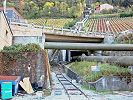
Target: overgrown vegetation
x: 127, y: 14
x: 84, y: 70
x: 71, y: 24
x: 120, y: 3
x: 50, y: 8
x: 22, y: 48
x: 51, y: 22
x: 17, y: 58
x: 96, y: 16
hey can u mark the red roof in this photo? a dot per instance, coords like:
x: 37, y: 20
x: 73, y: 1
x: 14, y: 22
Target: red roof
x: 8, y: 77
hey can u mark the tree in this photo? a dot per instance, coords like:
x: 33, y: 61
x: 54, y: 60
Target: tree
x: 40, y: 3
x: 63, y: 7
x: 47, y: 8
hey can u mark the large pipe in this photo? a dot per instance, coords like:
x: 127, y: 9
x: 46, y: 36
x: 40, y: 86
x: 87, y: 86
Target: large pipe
x: 88, y: 46
x: 121, y: 60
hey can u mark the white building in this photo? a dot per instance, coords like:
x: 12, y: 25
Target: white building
x: 5, y: 31
x: 106, y: 7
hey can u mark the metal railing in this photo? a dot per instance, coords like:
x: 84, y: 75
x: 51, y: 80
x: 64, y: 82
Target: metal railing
x: 60, y: 30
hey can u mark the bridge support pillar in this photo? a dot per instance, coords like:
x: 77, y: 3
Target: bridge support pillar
x: 68, y: 55
x: 63, y: 55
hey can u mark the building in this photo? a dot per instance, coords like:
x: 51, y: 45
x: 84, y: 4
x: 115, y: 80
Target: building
x: 101, y: 7
x: 12, y: 14
x: 106, y: 7
x: 5, y: 31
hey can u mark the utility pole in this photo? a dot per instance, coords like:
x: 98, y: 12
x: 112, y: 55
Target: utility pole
x: 4, y: 5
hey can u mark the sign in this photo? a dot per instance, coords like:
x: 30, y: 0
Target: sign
x: 95, y: 68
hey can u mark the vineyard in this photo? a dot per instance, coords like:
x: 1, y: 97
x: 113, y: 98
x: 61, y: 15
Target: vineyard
x: 112, y: 25
x: 59, y: 23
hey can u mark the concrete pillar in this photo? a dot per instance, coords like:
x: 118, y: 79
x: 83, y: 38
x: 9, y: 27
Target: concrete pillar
x: 98, y: 53
x: 108, y: 39
x: 68, y: 55
x: 64, y: 55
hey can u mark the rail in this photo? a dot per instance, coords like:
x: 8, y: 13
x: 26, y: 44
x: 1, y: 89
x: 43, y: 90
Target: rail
x: 63, y: 31
x: 62, y: 78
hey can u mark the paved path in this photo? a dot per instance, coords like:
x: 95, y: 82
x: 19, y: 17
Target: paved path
x: 58, y: 93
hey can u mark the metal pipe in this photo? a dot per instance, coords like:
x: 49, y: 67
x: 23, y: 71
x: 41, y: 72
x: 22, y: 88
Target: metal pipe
x: 121, y: 60
x: 88, y: 46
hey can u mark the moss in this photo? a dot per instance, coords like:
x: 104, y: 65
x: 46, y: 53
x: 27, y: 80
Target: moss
x: 47, y: 92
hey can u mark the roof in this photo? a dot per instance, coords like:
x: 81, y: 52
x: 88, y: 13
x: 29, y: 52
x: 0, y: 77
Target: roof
x: 8, y: 77
x: 7, y: 21
x: 11, y: 8
x: 106, y: 6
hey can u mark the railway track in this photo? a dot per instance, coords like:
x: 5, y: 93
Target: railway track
x: 70, y: 89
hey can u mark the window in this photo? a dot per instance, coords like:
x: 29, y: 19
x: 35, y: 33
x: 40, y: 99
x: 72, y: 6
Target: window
x: 6, y: 32
x: 40, y: 39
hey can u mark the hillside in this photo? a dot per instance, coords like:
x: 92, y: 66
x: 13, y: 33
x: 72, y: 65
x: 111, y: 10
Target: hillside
x: 116, y: 25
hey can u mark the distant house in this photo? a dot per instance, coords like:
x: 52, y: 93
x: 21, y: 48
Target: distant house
x: 101, y: 7
x: 5, y: 31
x: 12, y: 14
x: 106, y: 6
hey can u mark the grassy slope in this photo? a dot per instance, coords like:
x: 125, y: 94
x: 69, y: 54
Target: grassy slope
x: 50, y: 22
x: 84, y: 70
x: 104, y: 15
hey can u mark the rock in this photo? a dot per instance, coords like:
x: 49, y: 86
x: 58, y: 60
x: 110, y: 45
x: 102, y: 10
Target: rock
x: 130, y: 85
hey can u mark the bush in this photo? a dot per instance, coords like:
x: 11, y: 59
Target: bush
x: 110, y: 11
x: 70, y: 24
x: 126, y: 14
x: 22, y: 48
x: 105, y: 11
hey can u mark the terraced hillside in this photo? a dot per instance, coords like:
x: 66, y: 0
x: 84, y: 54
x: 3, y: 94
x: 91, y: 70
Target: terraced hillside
x: 58, y: 23
x: 113, y: 25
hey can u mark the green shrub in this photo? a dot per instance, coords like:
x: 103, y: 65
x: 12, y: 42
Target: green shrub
x: 22, y: 48
x: 70, y: 24
x: 126, y: 14
x: 105, y: 11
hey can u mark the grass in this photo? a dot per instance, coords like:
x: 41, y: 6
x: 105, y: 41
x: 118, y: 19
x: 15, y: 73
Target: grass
x: 105, y: 15
x: 84, y: 70
x: 59, y: 23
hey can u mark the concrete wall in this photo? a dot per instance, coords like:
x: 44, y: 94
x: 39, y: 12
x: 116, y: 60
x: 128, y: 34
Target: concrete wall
x: 5, y: 32
x: 29, y: 39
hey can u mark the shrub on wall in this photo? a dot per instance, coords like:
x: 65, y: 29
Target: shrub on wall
x: 17, y: 58
x: 22, y: 48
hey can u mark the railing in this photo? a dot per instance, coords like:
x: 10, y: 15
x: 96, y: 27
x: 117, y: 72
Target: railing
x: 60, y: 30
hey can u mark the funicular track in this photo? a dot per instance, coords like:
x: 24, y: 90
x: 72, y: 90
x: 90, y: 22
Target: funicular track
x: 70, y: 88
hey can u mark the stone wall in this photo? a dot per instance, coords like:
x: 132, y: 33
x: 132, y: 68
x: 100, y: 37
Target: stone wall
x: 26, y: 64
x: 106, y: 83
x: 109, y: 83
x: 71, y: 74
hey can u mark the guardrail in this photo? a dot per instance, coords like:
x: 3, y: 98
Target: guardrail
x: 60, y: 30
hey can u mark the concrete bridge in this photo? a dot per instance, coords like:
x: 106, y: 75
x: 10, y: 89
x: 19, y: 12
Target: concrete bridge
x: 56, y: 34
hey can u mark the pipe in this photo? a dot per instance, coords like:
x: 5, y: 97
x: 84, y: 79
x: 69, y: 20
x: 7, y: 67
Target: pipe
x: 88, y: 46
x: 120, y: 60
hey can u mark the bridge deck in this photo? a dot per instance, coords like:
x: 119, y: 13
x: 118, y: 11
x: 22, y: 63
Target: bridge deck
x: 56, y: 34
